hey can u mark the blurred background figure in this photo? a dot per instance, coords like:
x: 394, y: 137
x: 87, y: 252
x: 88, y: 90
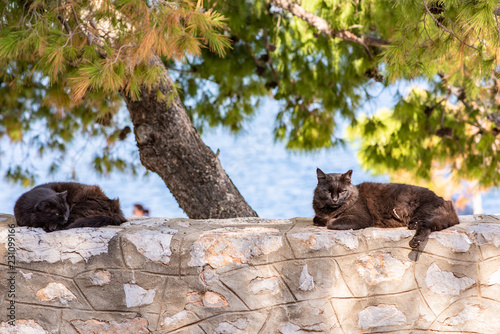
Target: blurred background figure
x: 140, y: 210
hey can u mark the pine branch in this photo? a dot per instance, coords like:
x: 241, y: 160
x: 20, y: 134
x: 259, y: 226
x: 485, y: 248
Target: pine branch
x: 65, y: 24
x: 446, y: 29
x: 323, y: 26
x: 78, y: 25
x: 498, y: 25
x: 269, y: 49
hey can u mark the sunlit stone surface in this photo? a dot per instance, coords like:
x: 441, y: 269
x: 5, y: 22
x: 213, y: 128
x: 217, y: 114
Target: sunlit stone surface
x: 250, y: 275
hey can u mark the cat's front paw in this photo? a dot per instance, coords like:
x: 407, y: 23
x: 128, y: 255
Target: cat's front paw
x: 414, y: 243
x: 338, y: 224
x: 420, y: 236
x: 51, y: 227
x: 318, y: 221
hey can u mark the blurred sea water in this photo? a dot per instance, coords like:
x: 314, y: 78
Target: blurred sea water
x: 275, y: 182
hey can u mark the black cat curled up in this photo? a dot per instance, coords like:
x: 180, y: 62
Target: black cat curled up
x: 64, y: 205
x: 340, y: 205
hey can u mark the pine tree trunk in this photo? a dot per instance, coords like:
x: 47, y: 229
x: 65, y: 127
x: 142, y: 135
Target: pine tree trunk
x: 170, y: 146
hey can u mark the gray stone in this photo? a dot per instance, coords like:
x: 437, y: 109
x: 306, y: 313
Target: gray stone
x: 43, y: 289
x: 381, y: 267
x: 455, y: 241
x: 291, y: 328
x: 389, y: 235
x: 251, y: 275
x: 489, y: 278
x: 377, y: 238
x: 124, y: 291
x: 47, y: 318
x: 355, y: 314
x: 135, y: 295
x: 315, y: 316
x: 100, y: 277
x: 153, y: 244
x: 378, y: 272
x: 22, y: 327
x: 494, y: 278
x: 306, y: 281
x: 35, y: 245
x: 445, y: 282
x: 227, y: 245
x: 324, y: 241
x: 264, y: 285
x: 487, y: 234
x: 179, y: 319
x: 469, y: 315
x: 237, y: 323
x: 131, y: 326
x: 470, y: 312
x: 146, y: 222
x: 55, y: 292
x: 100, y: 319
x: 381, y: 316
x: 258, y: 287
x: 232, y: 327
x: 328, y: 279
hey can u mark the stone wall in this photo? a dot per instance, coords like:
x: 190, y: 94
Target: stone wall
x: 253, y: 275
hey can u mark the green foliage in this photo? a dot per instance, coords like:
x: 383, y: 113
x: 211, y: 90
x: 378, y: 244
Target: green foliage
x: 67, y: 64
x: 425, y: 132
x: 453, y: 124
x: 320, y: 80
x: 64, y: 66
x: 275, y: 54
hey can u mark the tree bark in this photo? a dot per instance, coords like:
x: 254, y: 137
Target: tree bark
x: 170, y: 146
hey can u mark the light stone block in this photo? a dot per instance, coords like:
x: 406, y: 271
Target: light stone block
x: 487, y: 236
x: 227, y: 245
x: 237, y: 323
x: 489, y: 278
x: 258, y: 287
x: 325, y: 273
x: 36, y: 245
x: 378, y: 272
x: 312, y: 241
x: 56, y: 292
x: 386, y: 313
x: 153, y: 244
x: 252, y: 275
x: 443, y: 281
x: 382, y: 315
x: 136, y: 295
x: 470, y: 315
x: 22, y: 327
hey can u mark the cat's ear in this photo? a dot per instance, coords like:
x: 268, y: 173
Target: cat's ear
x: 63, y: 195
x: 347, y: 176
x: 320, y: 174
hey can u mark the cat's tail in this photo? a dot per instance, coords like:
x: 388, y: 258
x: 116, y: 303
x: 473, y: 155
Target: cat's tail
x: 97, y: 221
